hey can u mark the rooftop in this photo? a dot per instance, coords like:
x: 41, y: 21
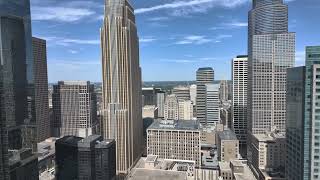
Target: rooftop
x: 175, y: 125
x: 227, y: 134
x: 205, y: 69
x: 145, y: 174
x: 269, y: 137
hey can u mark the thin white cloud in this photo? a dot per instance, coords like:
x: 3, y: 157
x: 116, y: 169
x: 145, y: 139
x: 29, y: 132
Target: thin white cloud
x: 52, y: 40
x: 61, y: 14
x: 194, y: 39
x: 195, y: 5
x: 230, y: 25
x: 147, y: 39
x: 73, y: 51
x: 189, y: 60
x: 160, y: 18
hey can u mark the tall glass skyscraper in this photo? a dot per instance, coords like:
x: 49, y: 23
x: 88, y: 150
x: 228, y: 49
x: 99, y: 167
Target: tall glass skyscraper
x: 271, y: 51
x: 122, y: 106
x: 25, y: 117
x: 16, y: 80
x: 312, y: 115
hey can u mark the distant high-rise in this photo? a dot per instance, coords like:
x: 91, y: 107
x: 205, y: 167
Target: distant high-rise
x: 182, y: 93
x: 295, y: 123
x: 204, y: 76
x: 271, y: 51
x: 224, y: 92
x: 186, y: 110
x: 239, y: 100
x: 171, y: 107
x: 193, y: 93
x: 161, y: 97
x: 39, y: 47
x: 85, y: 158
x: 74, y: 108
x: 212, y: 103
x: 122, y: 107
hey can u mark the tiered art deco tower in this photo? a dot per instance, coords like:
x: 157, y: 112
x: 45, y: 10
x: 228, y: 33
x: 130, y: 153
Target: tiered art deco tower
x: 122, y: 111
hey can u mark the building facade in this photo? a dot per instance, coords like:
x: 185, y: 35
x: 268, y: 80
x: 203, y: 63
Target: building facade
x: 171, y: 107
x: 74, y: 108
x: 161, y: 97
x: 193, y: 93
x: 212, y: 104
x: 269, y: 155
x: 172, y: 139
x: 39, y: 47
x: 271, y: 51
x: 224, y: 91
x: 295, y: 122
x: 228, y: 145
x: 16, y: 80
x: 204, y: 76
x: 186, y: 110
x: 311, y: 169
x: 85, y: 158
x: 122, y: 106
x: 239, y: 100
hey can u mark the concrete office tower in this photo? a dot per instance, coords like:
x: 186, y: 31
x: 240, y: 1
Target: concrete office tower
x: 311, y: 169
x: 122, y: 107
x: 186, y: 110
x: 224, y: 92
x: 74, y: 108
x: 212, y: 104
x: 39, y: 47
x: 204, y: 76
x: 295, y: 123
x: 161, y: 97
x: 85, y: 158
x: 239, y: 100
x: 182, y: 93
x: 171, y: 107
x: 182, y: 137
x: 271, y: 51
x: 193, y: 93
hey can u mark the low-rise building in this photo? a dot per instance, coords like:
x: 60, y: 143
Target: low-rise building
x: 162, y: 169
x: 46, y: 155
x: 236, y: 170
x: 269, y: 155
x: 228, y: 145
x: 175, y: 139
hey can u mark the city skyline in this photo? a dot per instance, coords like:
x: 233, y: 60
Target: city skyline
x: 73, y: 56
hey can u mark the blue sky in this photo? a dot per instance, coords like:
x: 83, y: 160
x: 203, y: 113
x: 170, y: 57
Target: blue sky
x: 176, y: 36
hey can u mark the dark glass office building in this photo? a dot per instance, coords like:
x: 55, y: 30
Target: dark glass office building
x: 17, y: 73
x: 89, y: 158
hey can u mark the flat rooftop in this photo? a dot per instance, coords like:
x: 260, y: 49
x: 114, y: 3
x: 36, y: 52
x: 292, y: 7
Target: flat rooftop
x: 269, y: 137
x: 227, y: 134
x: 146, y: 174
x: 175, y: 125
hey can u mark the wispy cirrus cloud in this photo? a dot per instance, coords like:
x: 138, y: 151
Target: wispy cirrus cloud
x: 201, y: 39
x: 231, y: 25
x: 190, y: 6
x: 64, y: 14
x: 147, y: 39
x: 61, y: 41
x: 189, y: 60
x: 194, y: 39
